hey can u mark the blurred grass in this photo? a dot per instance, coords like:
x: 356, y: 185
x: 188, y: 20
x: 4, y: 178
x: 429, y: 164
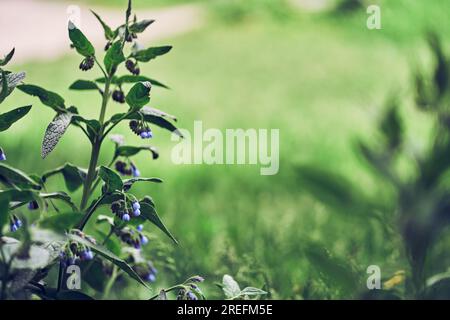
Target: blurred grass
x: 319, y: 79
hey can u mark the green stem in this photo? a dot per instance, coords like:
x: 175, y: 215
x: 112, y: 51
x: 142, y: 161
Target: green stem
x: 91, y: 175
x: 110, y: 283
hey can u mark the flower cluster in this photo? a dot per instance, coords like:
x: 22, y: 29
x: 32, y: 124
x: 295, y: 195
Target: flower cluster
x: 132, y: 67
x: 2, y: 155
x: 87, y: 63
x: 74, y: 251
x: 33, y: 205
x: 146, y: 271
x: 118, y: 96
x: 190, y: 290
x: 141, y: 129
x: 124, y: 211
x: 15, y: 223
x: 123, y: 169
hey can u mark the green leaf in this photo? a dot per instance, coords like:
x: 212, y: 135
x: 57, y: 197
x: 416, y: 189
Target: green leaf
x: 17, y: 177
x: 19, y: 195
x: 114, y: 56
x: 84, y: 85
x: 109, y: 256
x: 73, y: 176
x: 128, y: 12
x: 48, y: 98
x: 80, y: 42
x: 8, y: 57
x: 140, y: 26
x: 8, y: 118
x: 54, y: 132
x: 127, y: 184
x: 230, y: 287
x: 133, y: 79
x: 109, y: 34
x: 139, y: 95
x: 112, y: 180
x: 148, y: 117
x: 61, y: 222
x: 128, y: 151
x: 60, y: 196
x: 149, y: 212
x: 129, y: 78
x: 4, y: 210
x: 151, y: 53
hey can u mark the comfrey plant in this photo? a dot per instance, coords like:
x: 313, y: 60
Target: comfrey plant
x: 417, y: 213
x: 37, y: 236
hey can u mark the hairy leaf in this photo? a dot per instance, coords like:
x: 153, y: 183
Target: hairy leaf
x: 127, y: 184
x: 8, y: 82
x: 54, y: 132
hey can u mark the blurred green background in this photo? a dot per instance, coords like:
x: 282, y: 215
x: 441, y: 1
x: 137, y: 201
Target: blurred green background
x: 321, y: 77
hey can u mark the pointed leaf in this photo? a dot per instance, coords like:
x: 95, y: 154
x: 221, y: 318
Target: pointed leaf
x: 80, y: 42
x: 140, y: 26
x: 84, y: 85
x: 149, y: 212
x: 8, y: 118
x: 11, y: 81
x: 114, y: 56
x: 109, y: 34
x: 17, y: 177
x: 8, y: 57
x: 128, y: 151
x: 139, y: 95
x: 112, y: 180
x: 151, y: 53
x: 102, y: 251
x: 48, y: 98
x: 73, y: 176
